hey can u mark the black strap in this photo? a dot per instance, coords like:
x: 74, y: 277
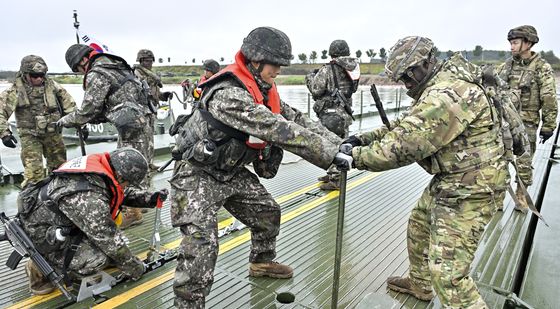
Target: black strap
x: 229, y: 131
x: 120, y: 83
x: 69, y: 253
x: 334, y: 77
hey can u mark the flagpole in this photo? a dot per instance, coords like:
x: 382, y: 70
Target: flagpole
x: 77, y: 26
x: 79, y: 129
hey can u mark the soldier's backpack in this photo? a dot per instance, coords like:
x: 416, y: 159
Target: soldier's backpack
x: 29, y: 195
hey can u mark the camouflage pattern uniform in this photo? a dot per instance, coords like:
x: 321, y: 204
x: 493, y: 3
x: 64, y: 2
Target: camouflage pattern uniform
x: 330, y: 111
x: 102, y: 103
x: 534, y: 79
x: 199, y: 190
x: 82, y: 202
x: 36, y: 109
x: 453, y: 132
x: 154, y: 82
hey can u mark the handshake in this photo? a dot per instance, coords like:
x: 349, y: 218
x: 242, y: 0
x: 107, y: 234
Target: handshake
x: 343, y: 159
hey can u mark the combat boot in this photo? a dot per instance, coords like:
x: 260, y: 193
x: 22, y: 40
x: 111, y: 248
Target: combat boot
x: 405, y: 285
x: 38, y: 283
x: 270, y: 269
x: 523, y: 206
x: 325, y: 178
x: 132, y: 216
x: 329, y: 186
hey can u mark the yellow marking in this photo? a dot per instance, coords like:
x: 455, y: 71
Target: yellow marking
x: 227, y: 246
x: 37, y: 299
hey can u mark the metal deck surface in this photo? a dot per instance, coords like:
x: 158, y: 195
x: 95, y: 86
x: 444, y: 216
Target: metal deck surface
x: 377, y: 210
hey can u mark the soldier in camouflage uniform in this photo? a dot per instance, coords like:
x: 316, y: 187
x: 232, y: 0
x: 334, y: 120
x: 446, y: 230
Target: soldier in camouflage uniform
x: 334, y: 112
x: 143, y: 71
x: 453, y: 131
x: 113, y: 94
x: 241, y: 120
x: 532, y: 78
x: 79, y: 205
x: 38, y: 102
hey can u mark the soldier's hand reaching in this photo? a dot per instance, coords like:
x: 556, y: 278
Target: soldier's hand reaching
x: 161, y: 194
x: 62, y: 122
x: 343, y: 161
x: 545, y: 135
x: 346, y: 148
x: 9, y: 141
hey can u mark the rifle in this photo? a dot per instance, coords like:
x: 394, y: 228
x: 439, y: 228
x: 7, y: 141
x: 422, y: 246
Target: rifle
x: 14, y: 233
x: 339, y: 97
x: 379, y: 106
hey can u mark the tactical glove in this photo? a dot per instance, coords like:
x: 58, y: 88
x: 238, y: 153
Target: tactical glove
x: 346, y: 149
x: 343, y: 161
x: 545, y: 135
x: 167, y: 95
x: 161, y: 194
x: 352, y: 140
x: 9, y: 141
x: 62, y: 122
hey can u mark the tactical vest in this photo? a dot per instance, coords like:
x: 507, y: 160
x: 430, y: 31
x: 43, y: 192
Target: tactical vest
x: 124, y: 114
x: 37, y: 109
x: 97, y: 164
x: 204, y: 141
x: 523, y: 76
x: 473, y: 149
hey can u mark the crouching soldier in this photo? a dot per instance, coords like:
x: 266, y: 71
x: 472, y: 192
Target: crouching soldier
x: 241, y: 120
x: 72, y: 216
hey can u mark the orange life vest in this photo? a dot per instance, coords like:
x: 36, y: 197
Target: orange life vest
x: 241, y: 72
x: 96, y: 164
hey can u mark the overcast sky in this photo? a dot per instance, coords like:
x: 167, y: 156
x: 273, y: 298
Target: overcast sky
x: 186, y: 29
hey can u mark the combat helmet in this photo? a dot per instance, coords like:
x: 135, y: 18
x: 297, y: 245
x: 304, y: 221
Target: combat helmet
x: 526, y: 32
x: 267, y: 45
x: 408, y: 52
x: 129, y: 164
x: 211, y: 65
x: 33, y: 64
x: 339, y: 48
x: 75, y: 53
x: 145, y: 53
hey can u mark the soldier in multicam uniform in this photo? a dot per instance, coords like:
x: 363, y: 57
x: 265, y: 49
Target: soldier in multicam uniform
x: 143, y: 71
x: 453, y: 131
x: 334, y: 114
x: 532, y: 78
x: 78, y: 207
x: 38, y: 102
x: 241, y: 120
x: 113, y: 94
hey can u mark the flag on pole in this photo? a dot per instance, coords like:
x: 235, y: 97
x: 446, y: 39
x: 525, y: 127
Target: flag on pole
x: 93, y: 43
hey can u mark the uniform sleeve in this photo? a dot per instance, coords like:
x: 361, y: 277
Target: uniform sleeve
x: 295, y: 115
x: 65, y: 99
x: 89, y: 211
x: 377, y: 134
x: 434, y: 122
x: 8, y: 101
x: 94, y: 100
x: 548, y: 98
x: 134, y: 197
x: 235, y: 107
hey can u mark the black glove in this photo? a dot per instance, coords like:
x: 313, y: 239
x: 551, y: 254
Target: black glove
x: 544, y: 136
x: 352, y: 140
x: 9, y: 141
x: 85, y: 132
x: 167, y: 95
x: 346, y: 149
x: 161, y: 194
x: 343, y: 161
x: 176, y: 154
